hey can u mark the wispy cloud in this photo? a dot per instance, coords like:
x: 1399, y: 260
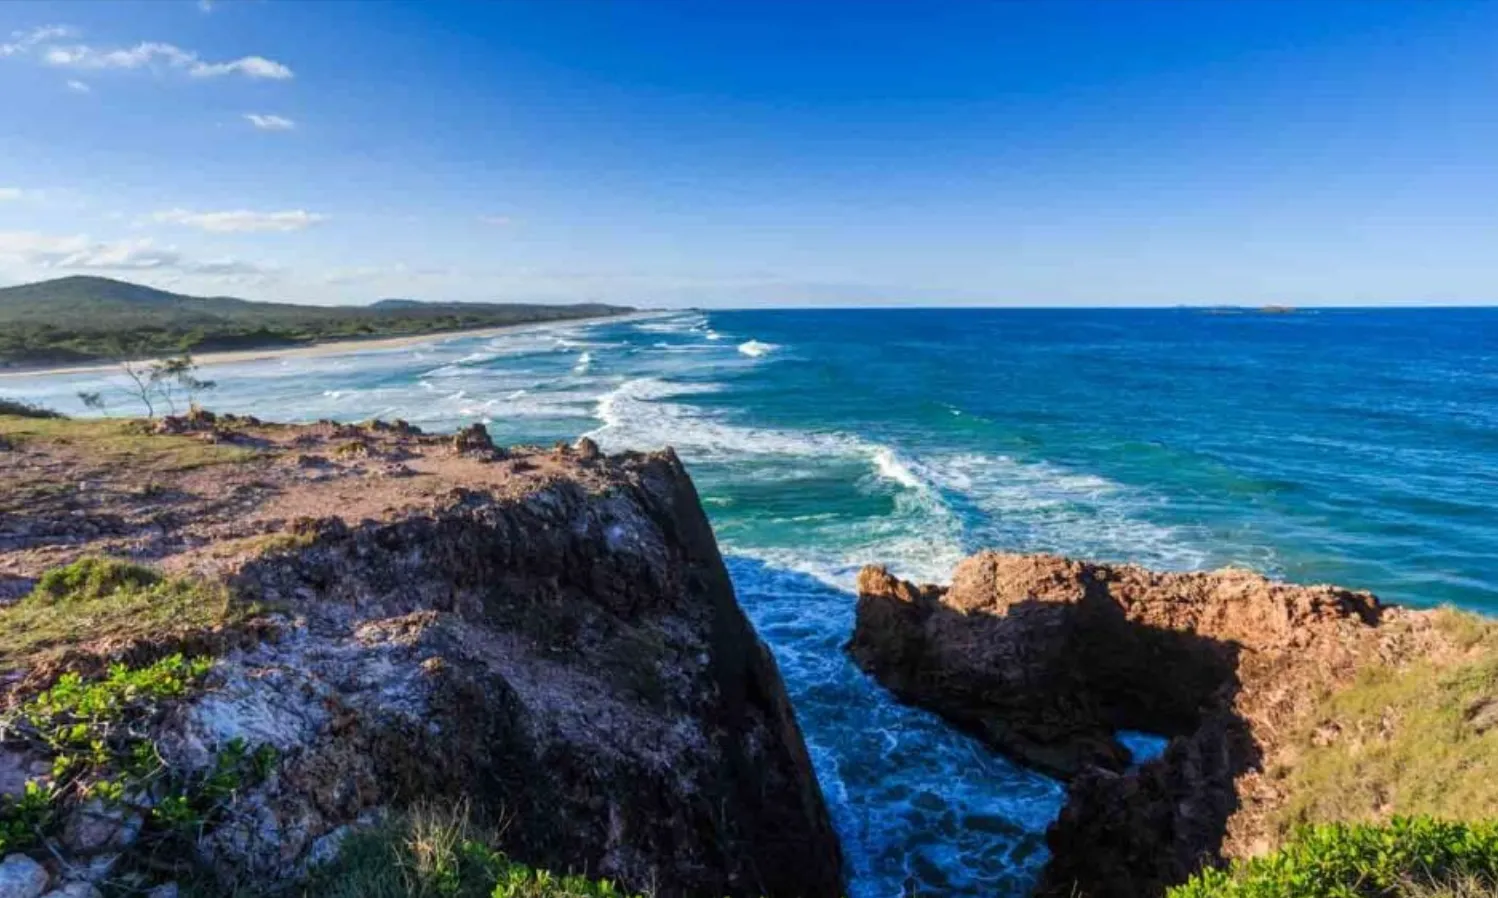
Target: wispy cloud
x: 77, y: 86
x: 269, y: 122
x: 24, y: 41
x: 156, y: 53
x: 80, y: 253
x: 205, y: 5
x: 10, y: 193
x: 499, y: 221
x: 241, y: 220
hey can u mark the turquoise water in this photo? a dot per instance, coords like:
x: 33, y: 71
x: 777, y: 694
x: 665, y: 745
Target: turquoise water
x: 1359, y: 447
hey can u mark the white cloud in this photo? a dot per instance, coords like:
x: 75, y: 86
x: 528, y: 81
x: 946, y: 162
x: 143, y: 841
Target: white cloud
x: 269, y: 122
x: 24, y: 41
x: 142, y: 55
x: 78, y: 86
x: 79, y: 253
x: 10, y: 193
x: 249, y: 66
x: 205, y: 5
x: 500, y: 221
x: 241, y: 220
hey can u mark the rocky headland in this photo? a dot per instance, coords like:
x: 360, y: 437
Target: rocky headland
x: 1282, y: 704
x: 226, y: 645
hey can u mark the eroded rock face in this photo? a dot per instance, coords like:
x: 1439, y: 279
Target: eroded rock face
x: 1046, y: 658
x: 552, y: 641
x: 570, y: 661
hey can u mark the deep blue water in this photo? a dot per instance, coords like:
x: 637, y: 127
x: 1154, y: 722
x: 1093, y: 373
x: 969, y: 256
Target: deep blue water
x: 1357, y: 447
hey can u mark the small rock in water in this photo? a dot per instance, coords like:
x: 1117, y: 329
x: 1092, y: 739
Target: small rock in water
x: 22, y: 877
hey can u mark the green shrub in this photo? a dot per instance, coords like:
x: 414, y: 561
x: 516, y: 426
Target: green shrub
x: 1410, y: 856
x: 25, y: 409
x: 92, y: 578
x: 96, y: 734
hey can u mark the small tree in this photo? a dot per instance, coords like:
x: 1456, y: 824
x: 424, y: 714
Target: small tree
x: 143, y: 384
x: 177, y: 376
x: 151, y: 382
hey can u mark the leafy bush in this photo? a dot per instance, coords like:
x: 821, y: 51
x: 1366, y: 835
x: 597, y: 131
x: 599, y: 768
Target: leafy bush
x: 25, y: 409
x: 1410, y: 856
x: 96, y: 734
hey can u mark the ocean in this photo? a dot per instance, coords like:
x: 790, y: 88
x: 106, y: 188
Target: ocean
x: 1358, y: 447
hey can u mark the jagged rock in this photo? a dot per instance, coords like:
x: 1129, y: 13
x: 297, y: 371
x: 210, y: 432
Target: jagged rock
x: 473, y: 438
x: 94, y: 869
x: 573, y: 662
x: 14, y: 772
x: 76, y: 890
x: 553, y: 643
x: 96, y: 827
x: 1046, y: 658
x: 168, y: 890
x: 22, y: 877
x: 587, y: 450
x: 196, y: 420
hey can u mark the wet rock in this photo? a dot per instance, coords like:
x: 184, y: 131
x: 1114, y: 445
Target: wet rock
x: 168, y: 890
x: 22, y: 877
x: 76, y: 890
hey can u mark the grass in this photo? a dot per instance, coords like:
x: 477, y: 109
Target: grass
x: 1409, y: 857
x: 1418, y: 741
x: 98, y: 598
x: 113, y: 441
x: 435, y: 852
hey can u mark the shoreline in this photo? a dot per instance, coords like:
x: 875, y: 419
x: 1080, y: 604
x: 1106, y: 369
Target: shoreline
x: 323, y: 348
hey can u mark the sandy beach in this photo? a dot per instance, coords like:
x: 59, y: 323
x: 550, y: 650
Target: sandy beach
x: 330, y: 347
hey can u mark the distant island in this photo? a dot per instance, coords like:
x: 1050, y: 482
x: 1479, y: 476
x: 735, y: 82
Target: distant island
x: 1242, y: 310
x: 75, y: 320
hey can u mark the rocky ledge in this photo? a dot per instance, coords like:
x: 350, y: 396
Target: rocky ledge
x: 545, y: 636
x: 1045, y: 659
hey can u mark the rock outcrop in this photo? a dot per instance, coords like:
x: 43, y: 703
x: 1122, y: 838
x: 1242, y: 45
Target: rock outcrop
x: 553, y: 642
x: 1045, y: 659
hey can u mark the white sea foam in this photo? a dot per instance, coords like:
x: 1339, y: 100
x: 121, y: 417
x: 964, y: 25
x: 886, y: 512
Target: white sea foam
x: 755, y: 349
x: 583, y: 361
x: 890, y: 467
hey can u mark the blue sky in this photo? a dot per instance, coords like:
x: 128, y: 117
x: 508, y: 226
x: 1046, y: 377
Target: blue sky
x: 768, y: 153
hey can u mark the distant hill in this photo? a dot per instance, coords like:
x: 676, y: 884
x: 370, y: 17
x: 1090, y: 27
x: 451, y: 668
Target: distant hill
x: 79, y: 319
